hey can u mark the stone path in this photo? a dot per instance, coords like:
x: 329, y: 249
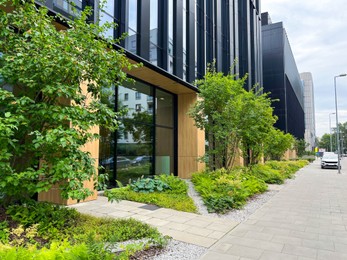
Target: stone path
x: 187, y: 227
x: 305, y: 220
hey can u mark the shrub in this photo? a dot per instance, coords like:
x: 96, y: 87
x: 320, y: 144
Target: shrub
x: 223, y: 190
x: 49, y: 217
x: 148, y: 185
x: 267, y: 174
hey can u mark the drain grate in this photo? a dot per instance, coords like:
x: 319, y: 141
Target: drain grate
x: 149, y: 207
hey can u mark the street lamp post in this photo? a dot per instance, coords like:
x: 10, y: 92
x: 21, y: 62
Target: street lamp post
x: 331, y: 141
x: 337, y: 126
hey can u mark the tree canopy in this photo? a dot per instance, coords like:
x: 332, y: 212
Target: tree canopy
x: 233, y: 119
x: 50, y: 99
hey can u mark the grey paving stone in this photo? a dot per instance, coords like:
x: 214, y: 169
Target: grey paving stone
x: 218, y: 256
x: 300, y: 251
x: 244, y: 251
x: 324, y: 255
x: 268, y: 255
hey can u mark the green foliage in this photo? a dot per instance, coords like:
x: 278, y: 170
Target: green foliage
x: 232, y: 118
x: 177, y: 186
x: 277, y: 143
x: 4, y: 232
x: 51, y: 96
x: 57, y: 250
x: 175, y: 198
x: 222, y: 190
x: 49, y: 217
x: 76, y: 236
x: 111, y: 230
x: 267, y: 174
x: 148, y: 185
x: 300, y: 146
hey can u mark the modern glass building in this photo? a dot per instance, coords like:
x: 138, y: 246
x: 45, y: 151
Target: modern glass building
x: 282, y: 79
x: 174, y: 40
x: 310, y: 122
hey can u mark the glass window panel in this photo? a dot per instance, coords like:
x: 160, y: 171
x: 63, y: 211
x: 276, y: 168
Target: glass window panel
x: 164, y: 109
x: 104, y: 18
x: 134, y: 152
x: 135, y: 133
x: 132, y: 14
x: 154, y: 21
x: 130, y: 41
x: 164, y: 147
x: 153, y: 53
x: 109, y: 7
x: 139, y: 95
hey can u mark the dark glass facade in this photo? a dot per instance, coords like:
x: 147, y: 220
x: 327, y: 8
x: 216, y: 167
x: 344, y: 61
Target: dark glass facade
x: 282, y: 79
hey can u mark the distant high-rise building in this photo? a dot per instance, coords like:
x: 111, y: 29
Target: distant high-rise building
x: 310, y: 122
x: 281, y: 78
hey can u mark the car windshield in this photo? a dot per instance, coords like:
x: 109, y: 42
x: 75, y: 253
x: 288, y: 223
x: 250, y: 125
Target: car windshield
x: 330, y: 156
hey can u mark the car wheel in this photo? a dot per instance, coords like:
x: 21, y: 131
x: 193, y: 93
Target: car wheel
x: 322, y: 167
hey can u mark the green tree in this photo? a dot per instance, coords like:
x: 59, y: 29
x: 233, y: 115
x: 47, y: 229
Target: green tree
x: 300, y: 146
x: 213, y: 113
x: 45, y: 115
x: 277, y: 144
x: 232, y: 118
x: 324, y: 142
x: 253, y: 121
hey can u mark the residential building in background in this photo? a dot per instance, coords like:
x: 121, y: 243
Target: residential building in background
x: 281, y: 78
x: 174, y: 40
x: 310, y: 122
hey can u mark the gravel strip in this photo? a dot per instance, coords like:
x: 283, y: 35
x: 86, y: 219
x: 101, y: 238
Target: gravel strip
x: 180, y: 250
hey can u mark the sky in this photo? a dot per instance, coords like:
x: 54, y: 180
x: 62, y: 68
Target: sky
x: 317, y: 32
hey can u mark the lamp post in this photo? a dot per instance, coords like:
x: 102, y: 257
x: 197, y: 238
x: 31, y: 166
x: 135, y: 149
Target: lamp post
x: 337, y: 126
x: 331, y: 138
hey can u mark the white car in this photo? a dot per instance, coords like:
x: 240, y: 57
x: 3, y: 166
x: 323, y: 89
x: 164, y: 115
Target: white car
x: 329, y: 160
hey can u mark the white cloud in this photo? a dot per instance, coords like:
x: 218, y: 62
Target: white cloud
x: 317, y: 35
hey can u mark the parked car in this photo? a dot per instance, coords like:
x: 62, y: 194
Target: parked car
x: 122, y: 162
x: 141, y: 160
x: 329, y: 160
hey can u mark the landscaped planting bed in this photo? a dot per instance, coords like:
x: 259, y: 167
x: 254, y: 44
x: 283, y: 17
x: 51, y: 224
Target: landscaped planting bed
x: 223, y: 190
x: 45, y: 231
x: 163, y: 190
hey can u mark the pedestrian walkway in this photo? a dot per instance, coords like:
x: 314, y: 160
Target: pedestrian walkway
x: 187, y: 227
x: 305, y: 220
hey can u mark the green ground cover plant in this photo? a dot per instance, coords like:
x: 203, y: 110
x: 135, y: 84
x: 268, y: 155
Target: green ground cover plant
x: 174, y: 196
x: 45, y: 231
x: 223, y: 190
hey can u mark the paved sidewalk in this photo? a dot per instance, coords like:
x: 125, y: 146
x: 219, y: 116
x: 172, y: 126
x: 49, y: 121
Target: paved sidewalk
x: 305, y: 220
x: 187, y: 227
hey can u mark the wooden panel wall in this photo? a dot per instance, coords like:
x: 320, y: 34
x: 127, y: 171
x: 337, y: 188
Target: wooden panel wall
x: 53, y: 195
x: 191, y: 140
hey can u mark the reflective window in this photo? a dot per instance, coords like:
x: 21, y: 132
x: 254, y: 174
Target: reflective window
x: 106, y: 15
x: 71, y: 7
x: 184, y: 39
x: 164, y: 109
x: 170, y: 43
x: 153, y: 47
x: 135, y: 134
x: 130, y: 40
x: 143, y: 144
